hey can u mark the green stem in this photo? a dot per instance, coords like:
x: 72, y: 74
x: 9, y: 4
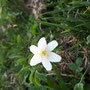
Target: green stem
x: 84, y: 73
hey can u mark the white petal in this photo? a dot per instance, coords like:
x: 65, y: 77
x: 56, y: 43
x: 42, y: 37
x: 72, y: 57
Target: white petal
x: 52, y: 45
x: 53, y: 57
x: 33, y: 49
x: 35, y: 60
x: 47, y: 64
x: 42, y: 43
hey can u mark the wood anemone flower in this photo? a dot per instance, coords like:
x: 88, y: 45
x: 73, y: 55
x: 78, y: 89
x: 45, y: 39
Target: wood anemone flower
x: 43, y: 53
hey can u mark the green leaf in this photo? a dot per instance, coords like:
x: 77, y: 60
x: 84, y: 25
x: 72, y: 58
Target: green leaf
x: 72, y: 66
x: 54, y: 24
x: 79, y: 61
x: 41, y: 76
x: 36, y: 80
x: 32, y: 87
x: 53, y: 84
x: 79, y: 86
x: 80, y: 3
x: 88, y: 39
x: 18, y: 39
x: 25, y: 69
x: 14, y: 56
x: 61, y: 81
x: 21, y: 60
x: 34, y: 29
x: 31, y: 78
x: 79, y: 69
x: 66, y: 19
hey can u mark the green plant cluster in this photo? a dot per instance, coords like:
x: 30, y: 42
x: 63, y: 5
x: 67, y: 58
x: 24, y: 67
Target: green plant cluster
x: 62, y: 18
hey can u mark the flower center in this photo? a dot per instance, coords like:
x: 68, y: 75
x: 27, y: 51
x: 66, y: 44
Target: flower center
x: 44, y: 53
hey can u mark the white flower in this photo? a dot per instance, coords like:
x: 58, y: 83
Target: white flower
x: 43, y: 53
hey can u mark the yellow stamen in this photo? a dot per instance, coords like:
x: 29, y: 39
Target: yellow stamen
x: 43, y: 53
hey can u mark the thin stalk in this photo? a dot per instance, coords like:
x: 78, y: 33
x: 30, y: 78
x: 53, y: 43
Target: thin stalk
x: 84, y: 73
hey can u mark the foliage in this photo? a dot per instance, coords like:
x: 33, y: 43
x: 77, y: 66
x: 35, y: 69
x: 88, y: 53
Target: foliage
x: 63, y: 20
